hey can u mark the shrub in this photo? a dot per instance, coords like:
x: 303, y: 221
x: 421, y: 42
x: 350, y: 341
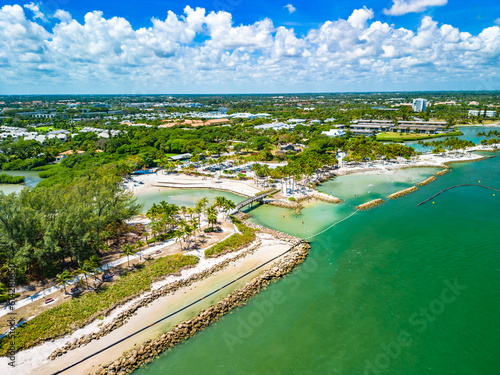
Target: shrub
x: 69, y: 316
x: 291, y: 199
x: 8, y: 179
x: 235, y: 242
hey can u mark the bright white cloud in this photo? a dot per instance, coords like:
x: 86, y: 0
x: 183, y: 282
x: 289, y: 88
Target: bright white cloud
x: 290, y: 8
x: 400, y: 7
x: 36, y: 11
x: 206, y: 52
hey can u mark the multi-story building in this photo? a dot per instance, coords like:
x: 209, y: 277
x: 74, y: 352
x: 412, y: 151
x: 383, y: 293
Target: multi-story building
x: 419, y: 105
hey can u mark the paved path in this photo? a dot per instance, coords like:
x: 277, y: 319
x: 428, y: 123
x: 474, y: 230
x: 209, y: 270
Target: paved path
x: 46, y: 292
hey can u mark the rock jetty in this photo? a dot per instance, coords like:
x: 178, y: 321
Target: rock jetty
x: 442, y: 172
x: 427, y: 181
x: 151, y: 349
x: 124, y: 316
x: 402, y: 193
x: 370, y: 204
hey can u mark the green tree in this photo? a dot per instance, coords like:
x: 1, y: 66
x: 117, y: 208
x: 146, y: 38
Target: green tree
x: 128, y: 250
x: 62, y: 278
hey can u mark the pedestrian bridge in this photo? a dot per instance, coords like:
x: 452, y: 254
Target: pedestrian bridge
x: 246, y: 202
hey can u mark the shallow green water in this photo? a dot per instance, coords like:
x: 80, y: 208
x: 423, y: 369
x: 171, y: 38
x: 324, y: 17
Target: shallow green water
x: 357, y: 189
x: 399, y: 289
x: 31, y: 181
x: 470, y: 134
x: 183, y: 197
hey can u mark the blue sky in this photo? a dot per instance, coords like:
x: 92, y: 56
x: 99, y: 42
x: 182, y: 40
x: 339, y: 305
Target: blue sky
x: 241, y: 46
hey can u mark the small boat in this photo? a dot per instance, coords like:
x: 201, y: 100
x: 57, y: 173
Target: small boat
x: 49, y: 300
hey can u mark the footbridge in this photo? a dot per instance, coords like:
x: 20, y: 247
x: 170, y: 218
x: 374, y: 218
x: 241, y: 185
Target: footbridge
x: 246, y: 202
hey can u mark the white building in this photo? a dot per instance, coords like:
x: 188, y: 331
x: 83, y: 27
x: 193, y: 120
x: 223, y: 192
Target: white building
x: 334, y: 133
x: 482, y: 112
x: 276, y: 126
x: 419, y: 105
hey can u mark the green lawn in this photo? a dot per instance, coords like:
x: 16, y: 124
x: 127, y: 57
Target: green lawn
x: 392, y: 136
x: 78, y: 312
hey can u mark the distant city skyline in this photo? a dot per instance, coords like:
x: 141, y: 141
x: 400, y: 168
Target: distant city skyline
x: 237, y: 46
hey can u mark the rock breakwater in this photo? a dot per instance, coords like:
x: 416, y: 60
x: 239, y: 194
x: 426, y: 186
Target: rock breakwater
x: 402, y: 193
x: 426, y: 181
x: 442, y: 172
x: 150, y: 350
x: 370, y: 204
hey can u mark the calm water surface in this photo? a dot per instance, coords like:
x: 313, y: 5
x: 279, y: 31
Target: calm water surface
x: 399, y: 289
x: 183, y: 197
x: 31, y: 181
x: 470, y: 134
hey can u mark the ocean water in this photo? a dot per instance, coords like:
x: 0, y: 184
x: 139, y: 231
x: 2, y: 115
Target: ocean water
x: 399, y: 289
x: 470, y: 134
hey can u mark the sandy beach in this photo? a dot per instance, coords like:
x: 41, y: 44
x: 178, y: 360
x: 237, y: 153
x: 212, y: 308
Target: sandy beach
x: 141, y: 183
x: 34, y: 360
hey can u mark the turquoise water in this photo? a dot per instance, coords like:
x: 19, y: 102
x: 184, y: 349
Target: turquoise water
x: 470, y: 134
x: 183, y: 197
x: 31, y: 181
x: 399, y: 289
x: 357, y: 189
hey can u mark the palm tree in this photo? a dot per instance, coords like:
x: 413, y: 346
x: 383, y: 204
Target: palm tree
x: 195, y: 226
x: 198, y: 210
x: 219, y: 202
x: 229, y: 205
x: 188, y: 231
x: 62, y: 278
x: 212, y: 216
x: 85, y: 269
x: 179, y: 233
x: 95, y: 263
x: 128, y: 250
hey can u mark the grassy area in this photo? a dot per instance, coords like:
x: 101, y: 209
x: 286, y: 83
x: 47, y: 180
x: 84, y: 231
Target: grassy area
x: 235, y: 242
x: 78, y: 312
x: 392, y: 136
x: 45, y: 128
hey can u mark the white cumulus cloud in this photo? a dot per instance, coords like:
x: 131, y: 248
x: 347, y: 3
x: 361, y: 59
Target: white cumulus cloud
x: 290, y: 8
x: 35, y: 8
x: 200, y: 51
x: 401, y: 7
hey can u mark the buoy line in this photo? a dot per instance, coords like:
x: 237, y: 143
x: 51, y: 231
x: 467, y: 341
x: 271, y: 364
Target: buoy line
x: 324, y: 230
x: 455, y: 186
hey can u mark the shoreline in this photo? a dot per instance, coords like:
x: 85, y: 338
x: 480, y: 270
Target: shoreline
x: 151, y: 305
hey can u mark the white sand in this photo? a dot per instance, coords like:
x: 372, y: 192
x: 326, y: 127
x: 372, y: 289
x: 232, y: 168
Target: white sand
x: 243, y: 187
x: 35, y: 360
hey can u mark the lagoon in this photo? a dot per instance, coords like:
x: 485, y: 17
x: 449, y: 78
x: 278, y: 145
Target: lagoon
x: 32, y: 179
x: 182, y: 197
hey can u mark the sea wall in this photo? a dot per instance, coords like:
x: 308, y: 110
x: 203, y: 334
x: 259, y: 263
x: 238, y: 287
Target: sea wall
x: 320, y: 196
x: 151, y: 349
x: 285, y: 204
x: 370, y: 204
x: 402, y: 193
x: 124, y: 316
x: 444, y: 171
x: 427, y: 181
